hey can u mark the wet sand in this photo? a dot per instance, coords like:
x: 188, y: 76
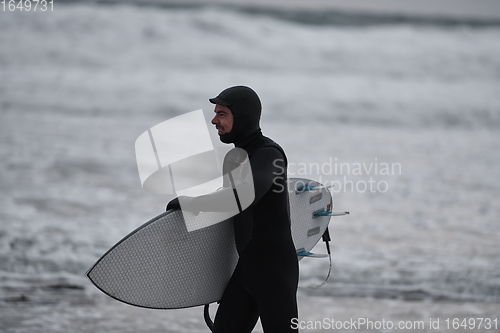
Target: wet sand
x: 63, y: 310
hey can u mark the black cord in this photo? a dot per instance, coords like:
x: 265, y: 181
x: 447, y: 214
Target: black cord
x: 326, y: 239
x: 206, y: 315
x: 235, y: 192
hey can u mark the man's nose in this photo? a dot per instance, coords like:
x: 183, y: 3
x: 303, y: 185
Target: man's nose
x: 214, y: 121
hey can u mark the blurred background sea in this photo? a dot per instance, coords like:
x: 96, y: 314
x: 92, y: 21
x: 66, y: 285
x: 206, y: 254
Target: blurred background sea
x: 80, y: 83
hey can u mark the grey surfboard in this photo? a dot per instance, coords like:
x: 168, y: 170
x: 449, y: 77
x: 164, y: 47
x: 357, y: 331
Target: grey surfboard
x: 161, y: 265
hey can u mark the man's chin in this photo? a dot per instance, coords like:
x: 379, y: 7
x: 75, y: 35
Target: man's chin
x: 225, y: 138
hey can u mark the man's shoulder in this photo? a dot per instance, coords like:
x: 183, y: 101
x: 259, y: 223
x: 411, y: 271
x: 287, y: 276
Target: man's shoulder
x: 268, y: 143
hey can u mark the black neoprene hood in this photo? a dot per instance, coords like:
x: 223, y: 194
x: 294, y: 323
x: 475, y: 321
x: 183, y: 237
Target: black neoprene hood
x: 245, y: 106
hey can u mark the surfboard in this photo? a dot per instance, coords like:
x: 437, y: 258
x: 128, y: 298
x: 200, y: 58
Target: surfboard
x: 162, y: 265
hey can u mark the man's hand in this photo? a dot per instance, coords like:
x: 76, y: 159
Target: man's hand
x: 174, y: 204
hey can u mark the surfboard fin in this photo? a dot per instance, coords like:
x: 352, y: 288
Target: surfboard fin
x: 313, y: 188
x: 326, y: 239
x: 311, y: 255
x: 327, y: 213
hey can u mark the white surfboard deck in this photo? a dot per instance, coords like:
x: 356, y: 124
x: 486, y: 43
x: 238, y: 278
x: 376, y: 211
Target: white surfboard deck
x: 161, y: 265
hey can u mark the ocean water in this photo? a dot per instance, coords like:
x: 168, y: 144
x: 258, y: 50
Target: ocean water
x: 402, y: 116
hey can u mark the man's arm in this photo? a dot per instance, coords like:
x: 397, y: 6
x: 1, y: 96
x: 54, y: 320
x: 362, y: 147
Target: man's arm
x: 267, y: 165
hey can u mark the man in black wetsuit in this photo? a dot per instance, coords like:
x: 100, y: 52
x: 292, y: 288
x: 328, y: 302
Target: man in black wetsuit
x: 264, y: 283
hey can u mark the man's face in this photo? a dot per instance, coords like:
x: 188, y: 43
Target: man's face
x: 223, y: 119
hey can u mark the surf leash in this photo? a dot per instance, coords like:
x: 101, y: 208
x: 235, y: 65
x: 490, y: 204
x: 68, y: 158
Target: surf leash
x: 326, y: 239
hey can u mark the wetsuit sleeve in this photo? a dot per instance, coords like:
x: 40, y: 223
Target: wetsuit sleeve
x: 267, y: 166
x: 222, y: 200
